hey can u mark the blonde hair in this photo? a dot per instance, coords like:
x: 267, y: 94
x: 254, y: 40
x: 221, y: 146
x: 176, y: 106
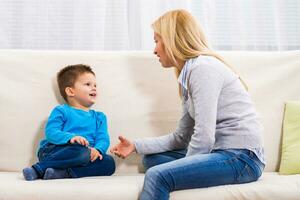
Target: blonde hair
x: 183, y: 38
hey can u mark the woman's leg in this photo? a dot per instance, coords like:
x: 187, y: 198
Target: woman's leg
x: 104, y: 167
x: 217, y: 168
x: 160, y: 158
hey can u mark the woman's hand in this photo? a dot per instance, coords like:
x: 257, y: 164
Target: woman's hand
x: 124, y: 148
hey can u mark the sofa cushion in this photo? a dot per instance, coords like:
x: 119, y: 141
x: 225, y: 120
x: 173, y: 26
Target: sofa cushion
x: 139, y: 97
x: 125, y: 187
x: 290, y: 158
x: 270, y: 186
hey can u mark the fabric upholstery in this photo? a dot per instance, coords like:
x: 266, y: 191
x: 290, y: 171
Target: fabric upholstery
x: 140, y: 99
x: 270, y: 186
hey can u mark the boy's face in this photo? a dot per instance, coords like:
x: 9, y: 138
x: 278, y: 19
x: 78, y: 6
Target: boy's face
x: 84, y: 92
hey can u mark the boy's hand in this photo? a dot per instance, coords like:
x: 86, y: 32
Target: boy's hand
x: 79, y: 140
x: 95, y: 154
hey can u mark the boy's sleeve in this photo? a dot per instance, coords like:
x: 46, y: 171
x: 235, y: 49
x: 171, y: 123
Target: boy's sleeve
x: 102, y: 141
x: 54, y: 127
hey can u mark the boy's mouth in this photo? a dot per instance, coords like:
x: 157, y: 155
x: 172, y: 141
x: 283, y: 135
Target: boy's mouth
x: 93, y: 95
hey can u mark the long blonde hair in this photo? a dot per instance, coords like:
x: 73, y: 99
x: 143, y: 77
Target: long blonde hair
x: 183, y: 38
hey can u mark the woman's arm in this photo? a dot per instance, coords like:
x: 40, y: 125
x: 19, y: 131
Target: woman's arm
x: 177, y: 140
x: 205, y: 84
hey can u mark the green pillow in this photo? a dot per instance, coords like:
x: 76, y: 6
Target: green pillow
x: 290, y: 157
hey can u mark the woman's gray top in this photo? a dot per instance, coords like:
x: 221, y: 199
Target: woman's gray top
x: 217, y: 113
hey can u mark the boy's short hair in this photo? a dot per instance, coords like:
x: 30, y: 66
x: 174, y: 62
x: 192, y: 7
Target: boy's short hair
x: 67, y: 76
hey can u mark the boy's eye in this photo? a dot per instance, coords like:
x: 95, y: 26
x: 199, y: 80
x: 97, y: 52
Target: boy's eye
x: 88, y: 84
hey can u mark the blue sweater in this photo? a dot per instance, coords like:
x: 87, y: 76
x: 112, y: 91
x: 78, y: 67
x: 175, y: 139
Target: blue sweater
x: 65, y: 122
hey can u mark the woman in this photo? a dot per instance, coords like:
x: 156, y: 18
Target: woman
x: 218, y: 138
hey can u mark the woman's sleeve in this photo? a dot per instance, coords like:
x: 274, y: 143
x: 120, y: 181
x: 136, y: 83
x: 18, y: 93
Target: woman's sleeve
x: 174, y: 141
x: 205, y: 85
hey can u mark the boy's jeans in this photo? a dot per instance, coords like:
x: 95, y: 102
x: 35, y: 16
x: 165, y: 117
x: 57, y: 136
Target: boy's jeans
x: 170, y: 171
x: 75, y: 158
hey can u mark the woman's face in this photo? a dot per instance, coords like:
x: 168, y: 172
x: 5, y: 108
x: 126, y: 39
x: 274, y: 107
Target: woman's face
x: 160, y: 52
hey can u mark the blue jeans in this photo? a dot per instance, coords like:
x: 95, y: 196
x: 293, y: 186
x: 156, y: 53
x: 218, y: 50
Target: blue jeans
x: 75, y: 158
x: 170, y: 171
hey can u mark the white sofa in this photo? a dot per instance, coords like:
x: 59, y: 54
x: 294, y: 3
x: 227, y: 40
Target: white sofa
x: 140, y: 99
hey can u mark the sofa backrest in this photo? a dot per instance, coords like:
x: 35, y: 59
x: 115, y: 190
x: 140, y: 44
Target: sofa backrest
x: 139, y: 97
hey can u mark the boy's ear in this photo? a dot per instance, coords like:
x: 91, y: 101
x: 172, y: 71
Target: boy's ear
x: 69, y: 91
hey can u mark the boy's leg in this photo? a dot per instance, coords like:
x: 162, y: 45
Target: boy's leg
x: 62, y: 157
x: 104, y: 167
x: 217, y: 168
x: 151, y: 160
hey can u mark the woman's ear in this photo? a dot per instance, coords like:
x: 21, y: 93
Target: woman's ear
x: 69, y: 91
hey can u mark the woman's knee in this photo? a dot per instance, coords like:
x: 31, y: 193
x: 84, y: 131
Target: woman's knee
x: 158, y: 175
x: 152, y: 175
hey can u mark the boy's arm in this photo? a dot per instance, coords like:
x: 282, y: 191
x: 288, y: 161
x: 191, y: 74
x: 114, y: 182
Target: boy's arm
x: 102, y: 141
x: 54, y: 127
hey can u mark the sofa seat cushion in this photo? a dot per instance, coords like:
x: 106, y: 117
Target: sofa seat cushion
x: 271, y: 186
x: 125, y: 187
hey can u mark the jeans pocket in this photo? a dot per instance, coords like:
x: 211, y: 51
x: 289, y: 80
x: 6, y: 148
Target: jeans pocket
x: 247, y: 174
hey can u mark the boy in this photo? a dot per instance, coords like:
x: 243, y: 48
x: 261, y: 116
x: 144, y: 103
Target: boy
x: 76, y: 137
